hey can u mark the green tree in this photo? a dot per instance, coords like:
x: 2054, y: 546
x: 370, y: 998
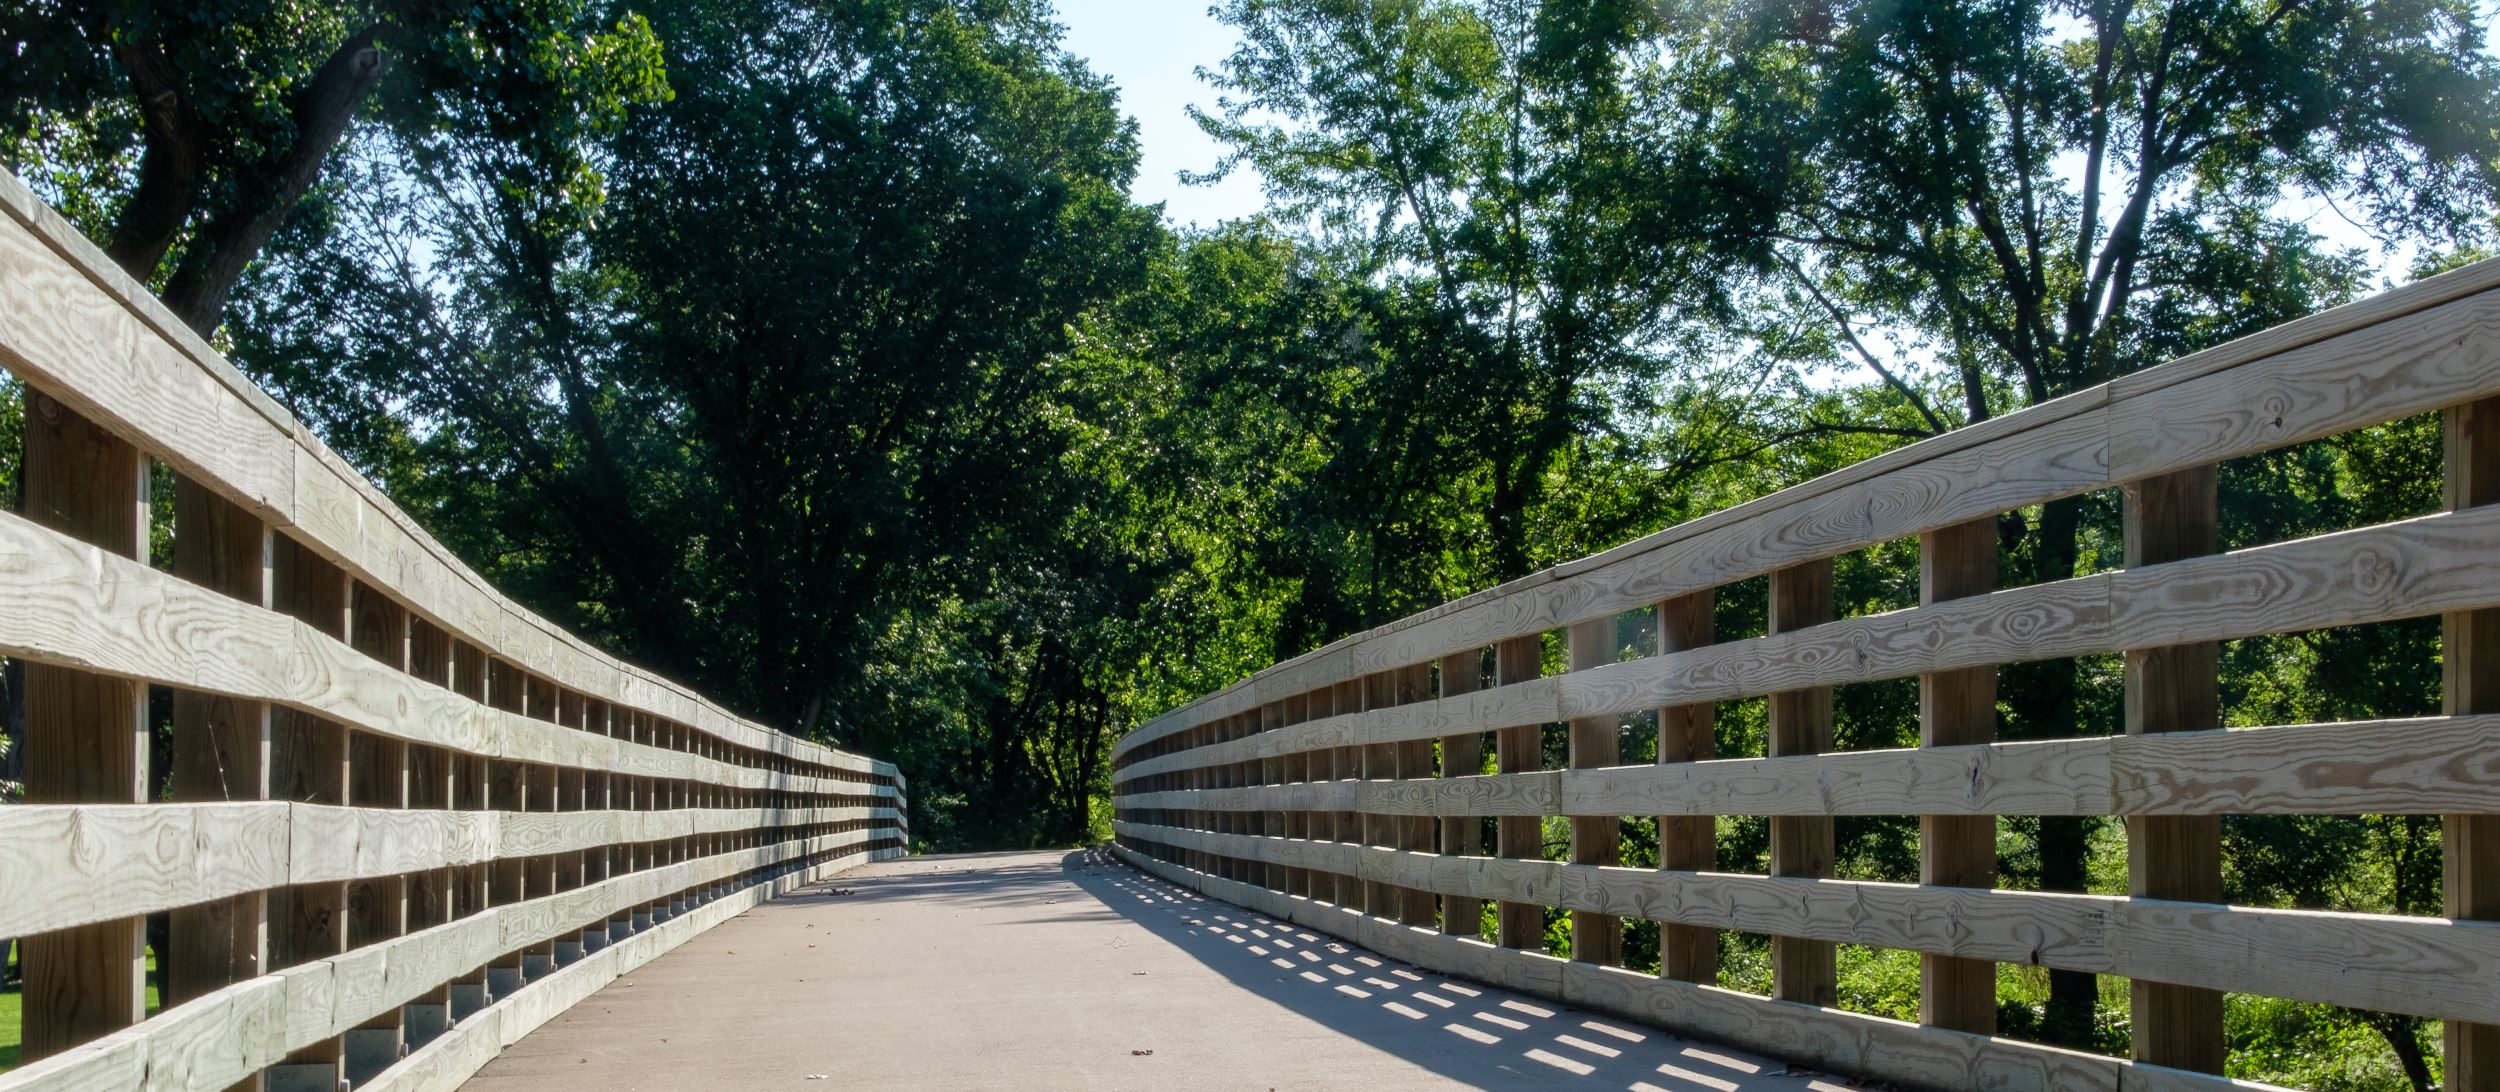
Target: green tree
x: 1487, y: 170
x: 2034, y: 197
x: 182, y: 136
x: 783, y: 418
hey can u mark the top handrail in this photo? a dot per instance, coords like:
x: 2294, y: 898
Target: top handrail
x: 1572, y: 591
x: 110, y: 350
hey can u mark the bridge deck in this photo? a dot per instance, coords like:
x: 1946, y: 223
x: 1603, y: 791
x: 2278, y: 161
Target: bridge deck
x: 1057, y: 970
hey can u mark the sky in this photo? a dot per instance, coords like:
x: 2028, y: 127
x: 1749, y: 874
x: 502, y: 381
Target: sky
x: 1152, y: 49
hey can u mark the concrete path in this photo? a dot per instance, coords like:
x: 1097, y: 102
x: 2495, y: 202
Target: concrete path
x: 1069, y: 970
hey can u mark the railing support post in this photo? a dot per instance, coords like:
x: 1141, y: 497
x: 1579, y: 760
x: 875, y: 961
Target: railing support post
x: 1415, y: 905
x: 1687, y: 843
x: 2174, y: 688
x: 1957, y: 707
x: 1519, y: 749
x: 2470, y: 666
x: 220, y: 752
x: 1596, y: 742
x: 309, y: 763
x: 1462, y: 755
x: 1802, y: 845
x: 85, y: 734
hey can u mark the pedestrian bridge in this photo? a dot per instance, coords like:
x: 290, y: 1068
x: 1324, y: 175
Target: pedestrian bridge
x: 418, y: 837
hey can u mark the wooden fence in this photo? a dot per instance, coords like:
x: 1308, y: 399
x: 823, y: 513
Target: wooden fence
x: 1344, y: 789
x: 400, y: 821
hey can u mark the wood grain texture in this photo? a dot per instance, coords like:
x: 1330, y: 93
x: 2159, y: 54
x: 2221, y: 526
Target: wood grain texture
x: 2421, y: 966
x: 76, y: 606
x: 220, y: 750
x: 222, y: 1038
x: 1596, y: 743
x: 84, y: 734
x: 2178, y: 687
x: 2441, y: 356
x: 1687, y: 733
x: 2409, y: 568
x: 1845, y: 1042
x: 1462, y: 755
x: 2411, y: 766
x: 1957, y: 708
x: 1802, y: 968
x: 1519, y: 836
x: 2470, y: 684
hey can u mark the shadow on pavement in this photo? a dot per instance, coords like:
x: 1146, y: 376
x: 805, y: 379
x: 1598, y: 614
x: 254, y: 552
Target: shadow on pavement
x: 1469, y: 1033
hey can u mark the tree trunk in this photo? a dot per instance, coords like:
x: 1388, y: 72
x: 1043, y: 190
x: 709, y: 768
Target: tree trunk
x: 2401, y: 1033
x: 169, y: 165
x: 226, y: 246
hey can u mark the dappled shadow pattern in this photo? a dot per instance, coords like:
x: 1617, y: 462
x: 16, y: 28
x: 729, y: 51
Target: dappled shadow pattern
x: 1474, y: 1034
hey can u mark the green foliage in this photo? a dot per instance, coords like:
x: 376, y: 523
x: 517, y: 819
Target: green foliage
x: 183, y: 135
x: 814, y: 352
x: 2321, y: 1047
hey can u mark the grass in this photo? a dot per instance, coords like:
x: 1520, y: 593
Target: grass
x: 13, y: 1007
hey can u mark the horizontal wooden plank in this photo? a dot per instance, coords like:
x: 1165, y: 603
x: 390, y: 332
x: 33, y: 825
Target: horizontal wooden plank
x: 223, y: 1037
x: 2417, y: 766
x: 2405, y: 569
x: 1846, y: 1042
x: 77, y: 864
x: 2421, y: 966
x: 189, y: 1048
x: 77, y: 606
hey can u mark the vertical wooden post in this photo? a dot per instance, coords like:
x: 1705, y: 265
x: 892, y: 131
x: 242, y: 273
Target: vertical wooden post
x: 1416, y: 906
x: 1596, y: 742
x: 1519, y: 749
x: 1323, y: 765
x: 308, y: 763
x: 540, y: 959
x: 1380, y: 763
x: 1687, y: 843
x: 2470, y: 666
x: 85, y: 734
x: 2174, y: 689
x: 507, y: 789
x: 1297, y: 709
x: 1349, y: 699
x: 470, y: 775
x: 1462, y: 755
x: 378, y: 765
x: 220, y: 749
x: 1272, y: 773
x: 1957, y: 707
x: 1802, y: 845
x: 1228, y: 819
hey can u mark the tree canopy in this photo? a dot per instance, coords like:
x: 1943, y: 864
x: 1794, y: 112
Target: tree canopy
x: 816, y: 352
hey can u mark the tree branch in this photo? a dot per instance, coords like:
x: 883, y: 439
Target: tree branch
x: 1851, y: 336
x: 226, y: 248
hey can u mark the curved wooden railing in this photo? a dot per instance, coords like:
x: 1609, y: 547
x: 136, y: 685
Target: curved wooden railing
x: 407, y: 820
x: 1343, y: 789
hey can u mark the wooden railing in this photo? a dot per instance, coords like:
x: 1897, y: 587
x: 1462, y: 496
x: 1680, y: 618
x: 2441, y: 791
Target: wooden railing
x: 400, y: 821
x: 1343, y: 790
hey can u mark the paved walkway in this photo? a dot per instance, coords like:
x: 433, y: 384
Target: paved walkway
x: 1068, y: 970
